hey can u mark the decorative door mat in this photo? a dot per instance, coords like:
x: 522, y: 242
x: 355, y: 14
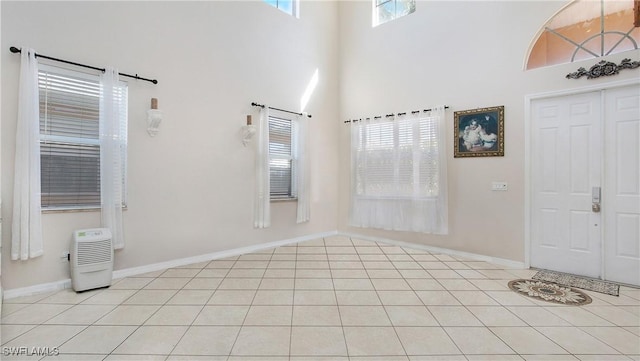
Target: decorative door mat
x: 585, y: 283
x: 550, y: 292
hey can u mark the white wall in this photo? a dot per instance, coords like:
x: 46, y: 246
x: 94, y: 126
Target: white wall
x: 465, y: 54
x: 191, y: 186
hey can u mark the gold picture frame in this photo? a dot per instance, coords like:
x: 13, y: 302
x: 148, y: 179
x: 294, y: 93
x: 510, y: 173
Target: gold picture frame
x: 479, y: 132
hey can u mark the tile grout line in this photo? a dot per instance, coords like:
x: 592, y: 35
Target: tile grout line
x: 160, y: 307
x: 427, y: 307
x: 380, y: 299
x: 138, y: 327
x: 201, y: 308
x: 335, y: 294
x: 466, y: 307
x: 250, y: 304
x: 293, y: 298
x: 103, y: 316
x: 509, y: 311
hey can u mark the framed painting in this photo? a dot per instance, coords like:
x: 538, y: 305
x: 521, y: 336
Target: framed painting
x: 479, y: 132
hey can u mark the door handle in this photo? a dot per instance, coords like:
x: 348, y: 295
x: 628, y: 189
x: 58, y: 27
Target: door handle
x: 595, y: 199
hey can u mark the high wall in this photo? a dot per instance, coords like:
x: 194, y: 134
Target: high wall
x: 191, y: 187
x: 464, y: 54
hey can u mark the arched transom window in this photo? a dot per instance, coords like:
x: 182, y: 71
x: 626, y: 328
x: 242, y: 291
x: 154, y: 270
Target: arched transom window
x: 586, y: 29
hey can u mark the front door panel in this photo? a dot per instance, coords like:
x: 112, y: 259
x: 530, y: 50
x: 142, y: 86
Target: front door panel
x: 566, y: 166
x: 621, y: 200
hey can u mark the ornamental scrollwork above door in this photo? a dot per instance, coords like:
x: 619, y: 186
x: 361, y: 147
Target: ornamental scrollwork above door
x: 604, y: 68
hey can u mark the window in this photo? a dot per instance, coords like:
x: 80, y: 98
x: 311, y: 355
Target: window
x: 398, y: 173
x: 397, y: 159
x: 586, y: 30
x: 387, y: 10
x: 282, y: 158
x: 69, y: 138
x: 288, y: 6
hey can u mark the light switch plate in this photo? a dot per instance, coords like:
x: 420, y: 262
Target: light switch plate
x: 499, y: 186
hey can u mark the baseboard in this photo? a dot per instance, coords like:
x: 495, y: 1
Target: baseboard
x: 128, y: 272
x: 37, y: 289
x: 478, y: 257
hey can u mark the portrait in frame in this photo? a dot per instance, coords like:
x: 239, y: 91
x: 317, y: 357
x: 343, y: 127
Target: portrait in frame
x: 479, y: 132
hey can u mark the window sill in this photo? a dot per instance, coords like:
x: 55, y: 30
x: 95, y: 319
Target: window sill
x: 74, y: 210
x: 396, y: 198
x: 281, y: 200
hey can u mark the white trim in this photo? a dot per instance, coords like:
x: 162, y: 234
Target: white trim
x: 535, y: 38
x: 473, y: 256
x: 527, y: 182
x: 584, y: 89
x: 37, y: 289
x: 527, y: 151
x: 127, y: 272
x: 603, y: 177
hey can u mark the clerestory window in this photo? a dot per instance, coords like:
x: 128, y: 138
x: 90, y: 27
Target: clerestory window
x: 387, y: 10
x: 290, y: 7
x: 586, y: 29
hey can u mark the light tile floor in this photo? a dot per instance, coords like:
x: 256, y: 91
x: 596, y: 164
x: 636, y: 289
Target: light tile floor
x: 333, y: 299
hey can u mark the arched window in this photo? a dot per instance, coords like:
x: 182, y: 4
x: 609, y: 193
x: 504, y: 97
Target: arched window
x: 586, y: 29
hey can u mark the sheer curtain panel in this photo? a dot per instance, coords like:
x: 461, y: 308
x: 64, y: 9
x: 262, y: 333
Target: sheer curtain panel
x: 262, y: 201
x: 302, y: 168
x: 26, y: 231
x: 398, y: 173
x: 113, y: 145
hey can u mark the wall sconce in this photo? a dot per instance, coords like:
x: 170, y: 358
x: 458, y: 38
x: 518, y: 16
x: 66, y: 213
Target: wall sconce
x: 248, y: 131
x: 154, y: 117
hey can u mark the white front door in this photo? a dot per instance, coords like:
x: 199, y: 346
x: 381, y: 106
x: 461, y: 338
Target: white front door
x: 585, y: 215
x: 566, y: 168
x: 621, y: 196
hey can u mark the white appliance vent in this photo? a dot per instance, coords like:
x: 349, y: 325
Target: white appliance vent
x: 91, y: 259
x: 94, y: 252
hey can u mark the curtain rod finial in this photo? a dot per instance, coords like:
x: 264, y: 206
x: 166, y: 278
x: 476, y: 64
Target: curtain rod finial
x: 14, y: 50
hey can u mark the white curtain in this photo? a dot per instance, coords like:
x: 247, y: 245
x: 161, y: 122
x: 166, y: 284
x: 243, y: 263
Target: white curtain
x: 399, y: 173
x: 26, y: 235
x: 262, y: 203
x: 302, y: 168
x: 112, y: 146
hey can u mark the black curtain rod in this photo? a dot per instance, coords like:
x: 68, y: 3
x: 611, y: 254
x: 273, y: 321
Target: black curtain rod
x: 15, y: 50
x: 282, y: 110
x: 391, y: 115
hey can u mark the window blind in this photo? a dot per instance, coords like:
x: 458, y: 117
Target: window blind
x: 397, y: 159
x: 281, y: 169
x: 70, y: 137
x: 398, y: 173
